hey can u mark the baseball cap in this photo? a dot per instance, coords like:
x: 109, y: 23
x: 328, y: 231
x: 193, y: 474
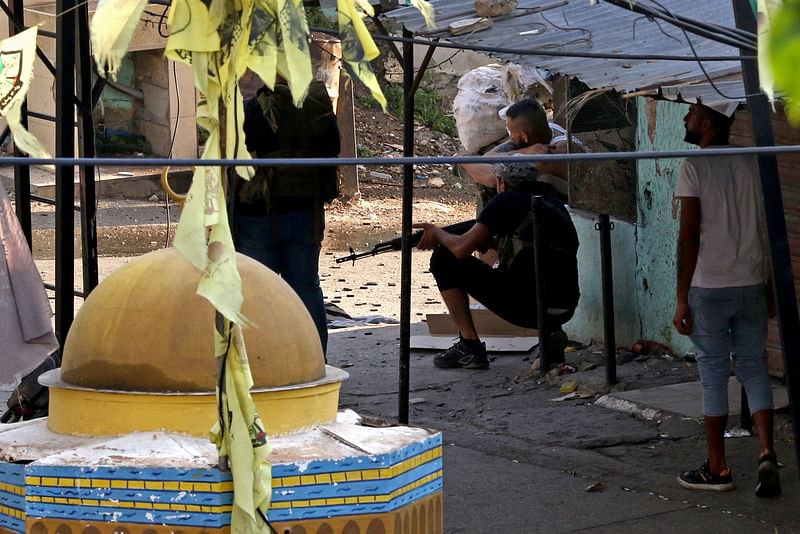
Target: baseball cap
x: 726, y: 107
x: 516, y: 173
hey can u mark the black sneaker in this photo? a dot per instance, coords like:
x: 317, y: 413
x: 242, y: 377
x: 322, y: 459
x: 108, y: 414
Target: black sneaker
x: 558, y: 342
x: 769, y: 480
x: 464, y: 354
x: 704, y: 479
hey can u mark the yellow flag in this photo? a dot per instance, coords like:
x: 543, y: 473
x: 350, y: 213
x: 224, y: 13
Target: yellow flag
x: 113, y: 24
x: 294, y: 61
x: 239, y: 434
x: 358, y: 49
x: 16, y: 72
x: 425, y: 7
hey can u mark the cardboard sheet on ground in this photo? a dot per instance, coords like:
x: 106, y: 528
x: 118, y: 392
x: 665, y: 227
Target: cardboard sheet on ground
x: 493, y: 344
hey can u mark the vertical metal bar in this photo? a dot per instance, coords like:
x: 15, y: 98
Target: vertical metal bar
x: 610, y: 350
x: 408, y: 198
x: 783, y: 278
x: 423, y: 67
x: 83, y: 86
x: 65, y: 174
x: 22, y: 173
x: 540, y: 279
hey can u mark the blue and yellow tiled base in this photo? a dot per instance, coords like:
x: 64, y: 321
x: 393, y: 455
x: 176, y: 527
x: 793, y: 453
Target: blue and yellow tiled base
x: 342, y: 479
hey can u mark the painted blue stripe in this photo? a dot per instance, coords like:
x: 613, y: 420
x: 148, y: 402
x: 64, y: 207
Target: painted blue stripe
x: 215, y: 475
x: 358, y: 462
x: 355, y: 488
x: 135, y: 495
x: 209, y: 475
x: 12, y: 500
x: 319, y: 512
x: 12, y: 523
x: 12, y: 474
x: 126, y: 515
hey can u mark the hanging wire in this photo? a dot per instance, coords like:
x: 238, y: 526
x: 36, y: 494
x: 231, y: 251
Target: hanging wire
x: 543, y: 52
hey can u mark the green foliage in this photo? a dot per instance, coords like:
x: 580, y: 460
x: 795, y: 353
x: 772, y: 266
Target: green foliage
x: 317, y: 18
x: 784, y: 56
x: 363, y: 151
x: 430, y: 108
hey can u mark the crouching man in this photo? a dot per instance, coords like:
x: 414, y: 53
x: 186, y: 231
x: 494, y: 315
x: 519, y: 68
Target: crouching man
x: 509, y: 289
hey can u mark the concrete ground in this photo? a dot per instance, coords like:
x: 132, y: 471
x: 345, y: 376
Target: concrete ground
x: 518, y: 462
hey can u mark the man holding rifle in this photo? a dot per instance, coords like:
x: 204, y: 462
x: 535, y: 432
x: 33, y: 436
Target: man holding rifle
x: 508, y: 290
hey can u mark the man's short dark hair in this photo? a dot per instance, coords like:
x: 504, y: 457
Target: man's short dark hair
x: 720, y: 122
x: 533, y: 116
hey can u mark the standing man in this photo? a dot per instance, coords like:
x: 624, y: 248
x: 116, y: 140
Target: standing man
x: 508, y: 290
x: 280, y: 212
x: 722, y: 293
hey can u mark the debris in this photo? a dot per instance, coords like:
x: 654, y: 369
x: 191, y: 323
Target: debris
x: 653, y: 348
x: 417, y: 400
x: 738, y: 433
x: 435, y: 182
x: 381, y: 175
x: 568, y: 387
x: 594, y: 488
x: 562, y: 398
x: 153, y: 198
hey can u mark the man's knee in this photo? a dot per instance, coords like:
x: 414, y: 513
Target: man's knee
x: 442, y: 262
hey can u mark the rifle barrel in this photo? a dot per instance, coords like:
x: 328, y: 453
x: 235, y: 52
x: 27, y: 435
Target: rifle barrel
x: 396, y: 243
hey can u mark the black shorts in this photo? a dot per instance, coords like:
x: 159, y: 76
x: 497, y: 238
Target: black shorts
x: 510, y: 295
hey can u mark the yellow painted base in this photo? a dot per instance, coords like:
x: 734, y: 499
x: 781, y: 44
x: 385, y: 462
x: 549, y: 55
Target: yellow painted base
x: 59, y: 526
x: 421, y: 517
x: 87, y: 412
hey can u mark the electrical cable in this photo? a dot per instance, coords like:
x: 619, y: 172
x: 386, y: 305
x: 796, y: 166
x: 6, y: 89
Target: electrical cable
x: 714, y: 33
x: 172, y: 143
x: 543, y: 52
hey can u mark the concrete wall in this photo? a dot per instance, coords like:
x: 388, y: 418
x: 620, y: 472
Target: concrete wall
x: 587, y: 324
x: 660, y: 128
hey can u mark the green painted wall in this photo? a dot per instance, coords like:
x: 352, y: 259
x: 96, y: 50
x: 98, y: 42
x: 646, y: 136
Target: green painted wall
x: 660, y: 127
x: 587, y: 324
x: 643, y: 253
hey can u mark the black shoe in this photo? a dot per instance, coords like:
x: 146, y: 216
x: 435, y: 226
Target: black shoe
x: 769, y: 480
x: 467, y: 354
x: 558, y: 342
x: 704, y: 479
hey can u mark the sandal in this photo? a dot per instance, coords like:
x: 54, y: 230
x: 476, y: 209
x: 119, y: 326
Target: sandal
x: 769, y: 480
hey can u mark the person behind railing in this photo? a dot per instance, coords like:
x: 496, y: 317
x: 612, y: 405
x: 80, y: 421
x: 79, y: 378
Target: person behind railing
x: 509, y: 289
x: 280, y: 213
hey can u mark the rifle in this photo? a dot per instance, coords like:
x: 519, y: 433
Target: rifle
x: 396, y: 243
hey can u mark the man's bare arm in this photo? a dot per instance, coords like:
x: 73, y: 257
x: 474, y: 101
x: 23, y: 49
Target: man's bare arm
x: 461, y: 246
x: 688, y: 249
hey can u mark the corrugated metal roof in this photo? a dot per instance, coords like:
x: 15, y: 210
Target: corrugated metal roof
x: 575, y: 26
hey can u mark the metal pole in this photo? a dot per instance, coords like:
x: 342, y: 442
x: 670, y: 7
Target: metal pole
x: 783, y: 278
x: 65, y: 174
x: 83, y: 85
x: 405, y: 261
x: 605, y: 226
x: 541, y: 285
x: 22, y: 173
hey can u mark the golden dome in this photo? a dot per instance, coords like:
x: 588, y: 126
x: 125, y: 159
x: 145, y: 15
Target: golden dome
x: 145, y: 329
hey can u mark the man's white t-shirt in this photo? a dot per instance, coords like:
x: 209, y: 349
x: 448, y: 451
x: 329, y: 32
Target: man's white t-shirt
x: 733, y: 241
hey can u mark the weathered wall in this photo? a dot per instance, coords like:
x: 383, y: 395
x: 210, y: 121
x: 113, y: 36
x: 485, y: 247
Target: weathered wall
x: 587, y: 324
x: 660, y: 127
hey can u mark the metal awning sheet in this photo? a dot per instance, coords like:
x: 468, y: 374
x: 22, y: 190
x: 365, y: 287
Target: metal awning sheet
x: 575, y: 26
